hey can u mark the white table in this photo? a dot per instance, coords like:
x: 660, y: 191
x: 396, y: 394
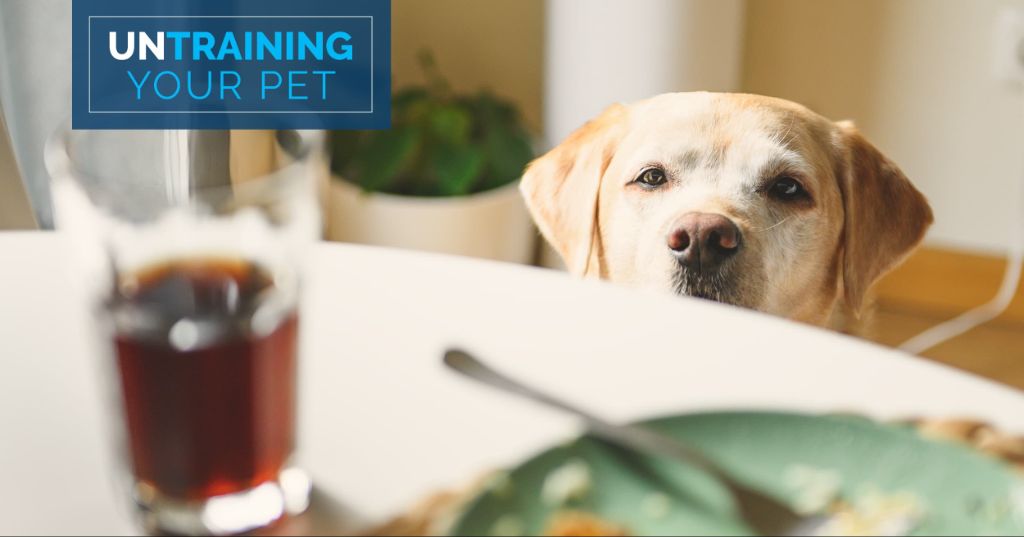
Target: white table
x: 382, y: 423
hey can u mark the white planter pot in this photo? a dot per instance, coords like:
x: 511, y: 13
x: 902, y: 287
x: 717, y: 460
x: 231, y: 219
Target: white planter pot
x: 492, y: 225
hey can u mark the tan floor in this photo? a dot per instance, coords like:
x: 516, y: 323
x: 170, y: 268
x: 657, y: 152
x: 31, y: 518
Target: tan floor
x: 995, y: 350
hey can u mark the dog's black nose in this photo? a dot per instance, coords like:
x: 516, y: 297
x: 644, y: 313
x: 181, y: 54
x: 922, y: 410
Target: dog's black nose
x: 702, y: 241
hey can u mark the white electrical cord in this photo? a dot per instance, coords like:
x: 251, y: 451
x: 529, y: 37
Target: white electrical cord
x: 991, y: 309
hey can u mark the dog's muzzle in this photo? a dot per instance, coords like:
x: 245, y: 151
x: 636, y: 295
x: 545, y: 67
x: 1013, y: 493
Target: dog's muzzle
x: 703, y: 244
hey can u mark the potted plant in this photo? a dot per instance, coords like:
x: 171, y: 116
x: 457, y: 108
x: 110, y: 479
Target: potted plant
x: 442, y: 178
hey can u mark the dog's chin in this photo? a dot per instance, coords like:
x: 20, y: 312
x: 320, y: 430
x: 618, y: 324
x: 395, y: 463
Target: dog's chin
x: 716, y: 287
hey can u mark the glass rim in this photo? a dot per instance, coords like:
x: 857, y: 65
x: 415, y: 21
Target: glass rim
x: 61, y: 166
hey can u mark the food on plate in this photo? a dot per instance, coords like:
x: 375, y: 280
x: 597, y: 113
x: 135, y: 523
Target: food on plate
x: 874, y: 512
x: 570, y: 481
x: 508, y: 525
x: 814, y: 489
x: 581, y: 524
x: 656, y: 505
x: 871, y: 512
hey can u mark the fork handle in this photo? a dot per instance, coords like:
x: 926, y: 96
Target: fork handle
x: 633, y: 437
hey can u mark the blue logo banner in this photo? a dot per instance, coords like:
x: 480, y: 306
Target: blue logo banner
x: 231, y: 64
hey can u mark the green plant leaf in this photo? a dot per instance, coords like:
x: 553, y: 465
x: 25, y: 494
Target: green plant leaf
x: 344, y: 148
x: 508, y: 153
x: 440, y: 143
x: 413, y: 105
x: 436, y: 82
x: 405, y: 97
x: 451, y: 124
x: 385, y: 155
x: 457, y: 168
x: 493, y: 109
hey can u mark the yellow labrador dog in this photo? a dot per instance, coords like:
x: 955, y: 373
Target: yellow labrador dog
x: 743, y: 199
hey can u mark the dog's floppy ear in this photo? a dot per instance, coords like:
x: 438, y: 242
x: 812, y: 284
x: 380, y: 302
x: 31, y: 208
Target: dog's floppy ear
x: 561, y: 188
x: 886, y: 217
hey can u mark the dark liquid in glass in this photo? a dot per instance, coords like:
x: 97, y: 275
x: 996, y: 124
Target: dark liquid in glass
x: 208, y: 376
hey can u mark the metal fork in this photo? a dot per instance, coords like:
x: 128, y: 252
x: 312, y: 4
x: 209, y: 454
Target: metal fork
x: 762, y: 513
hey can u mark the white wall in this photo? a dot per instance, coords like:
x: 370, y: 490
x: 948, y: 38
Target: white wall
x: 916, y: 76
x: 600, y: 52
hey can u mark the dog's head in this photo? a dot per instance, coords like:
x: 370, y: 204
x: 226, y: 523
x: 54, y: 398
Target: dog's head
x: 743, y: 199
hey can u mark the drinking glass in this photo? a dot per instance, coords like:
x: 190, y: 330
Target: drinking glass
x: 189, y: 247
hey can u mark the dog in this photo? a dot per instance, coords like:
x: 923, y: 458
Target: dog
x: 742, y: 199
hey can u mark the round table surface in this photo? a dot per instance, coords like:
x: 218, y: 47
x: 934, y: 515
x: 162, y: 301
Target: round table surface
x: 382, y: 424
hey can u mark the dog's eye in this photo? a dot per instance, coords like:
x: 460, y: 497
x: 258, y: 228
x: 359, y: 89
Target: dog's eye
x: 786, y: 188
x: 651, y: 178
